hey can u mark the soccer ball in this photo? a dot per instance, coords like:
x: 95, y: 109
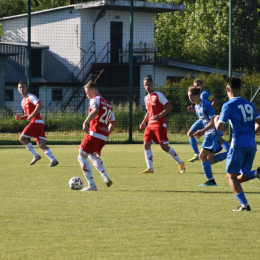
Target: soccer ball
x: 76, y: 183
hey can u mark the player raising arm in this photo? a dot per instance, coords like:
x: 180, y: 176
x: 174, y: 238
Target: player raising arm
x: 32, y: 107
x: 245, y: 122
x: 157, y: 107
x: 102, y: 123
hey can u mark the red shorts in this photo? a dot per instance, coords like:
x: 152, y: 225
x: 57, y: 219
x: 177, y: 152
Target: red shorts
x: 35, y: 130
x: 91, y: 145
x: 156, y: 135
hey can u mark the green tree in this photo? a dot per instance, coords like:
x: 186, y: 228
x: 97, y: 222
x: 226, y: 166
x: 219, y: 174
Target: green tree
x: 39, y: 5
x: 12, y: 7
x: 1, y: 31
x: 200, y: 33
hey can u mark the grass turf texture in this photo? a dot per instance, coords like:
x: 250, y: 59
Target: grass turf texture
x: 164, y: 215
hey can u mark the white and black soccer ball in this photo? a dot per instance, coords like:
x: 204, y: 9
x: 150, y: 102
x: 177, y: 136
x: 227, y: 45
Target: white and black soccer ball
x: 76, y: 183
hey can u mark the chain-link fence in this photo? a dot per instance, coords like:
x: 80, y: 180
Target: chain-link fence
x: 74, y: 44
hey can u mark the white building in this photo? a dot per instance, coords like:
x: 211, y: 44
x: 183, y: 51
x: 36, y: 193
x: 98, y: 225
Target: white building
x: 74, y: 44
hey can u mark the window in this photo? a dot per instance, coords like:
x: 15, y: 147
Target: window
x: 9, y: 95
x: 56, y: 94
x: 35, y: 90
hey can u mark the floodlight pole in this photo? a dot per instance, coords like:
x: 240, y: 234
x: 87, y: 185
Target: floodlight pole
x: 29, y: 48
x: 230, y: 56
x: 131, y: 70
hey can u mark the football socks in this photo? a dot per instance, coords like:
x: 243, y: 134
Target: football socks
x: 242, y: 199
x: 86, y: 168
x: 49, y: 155
x: 98, y: 164
x: 207, y: 170
x: 30, y: 148
x: 174, y: 155
x: 149, y: 158
x: 194, y: 145
x: 220, y: 157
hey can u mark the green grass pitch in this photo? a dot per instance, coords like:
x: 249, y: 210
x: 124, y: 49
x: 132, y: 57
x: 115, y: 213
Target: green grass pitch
x: 164, y: 215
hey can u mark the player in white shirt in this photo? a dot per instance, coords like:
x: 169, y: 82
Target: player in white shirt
x: 32, y: 107
x: 102, y: 122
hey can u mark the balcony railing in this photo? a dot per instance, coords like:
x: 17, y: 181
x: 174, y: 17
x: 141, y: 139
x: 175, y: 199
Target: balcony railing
x: 142, y: 53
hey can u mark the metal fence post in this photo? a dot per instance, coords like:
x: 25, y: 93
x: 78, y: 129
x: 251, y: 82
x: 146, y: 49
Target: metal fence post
x: 45, y: 105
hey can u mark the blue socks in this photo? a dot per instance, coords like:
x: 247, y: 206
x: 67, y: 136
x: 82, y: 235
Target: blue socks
x: 242, y: 198
x: 207, y: 170
x: 220, y: 157
x: 250, y: 175
x: 194, y: 145
x: 226, y: 146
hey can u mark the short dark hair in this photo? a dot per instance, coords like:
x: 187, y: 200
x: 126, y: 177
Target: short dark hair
x: 91, y: 85
x: 199, y: 81
x: 149, y: 78
x: 234, y: 82
x: 194, y: 90
x: 22, y: 82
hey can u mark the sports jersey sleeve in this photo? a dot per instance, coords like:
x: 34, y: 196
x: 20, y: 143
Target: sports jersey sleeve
x: 256, y: 112
x: 146, y: 107
x: 34, y: 100
x: 112, y: 118
x: 210, y: 110
x: 225, y: 113
x: 94, y: 102
x: 162, y: 99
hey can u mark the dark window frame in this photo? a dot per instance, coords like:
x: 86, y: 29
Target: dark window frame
x: 8, y: 95
x: 58, y: 95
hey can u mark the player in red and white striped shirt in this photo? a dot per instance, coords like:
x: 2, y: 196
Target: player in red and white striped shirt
x: 101, y: 120
x: 32, y: 107
x: 157, y: 107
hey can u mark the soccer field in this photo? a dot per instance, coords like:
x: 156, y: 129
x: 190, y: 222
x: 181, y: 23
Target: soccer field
x: 164, y: 215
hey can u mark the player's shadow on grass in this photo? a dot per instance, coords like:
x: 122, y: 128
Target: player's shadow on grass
x: 177, y: 191
x: 4, y: 148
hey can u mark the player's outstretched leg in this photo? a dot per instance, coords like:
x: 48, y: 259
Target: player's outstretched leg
x: 86, y: 168
x: 194, y: 146
x: 50, y: 156
x: 98, y: 164
x: 208, y: 173
x: 149, y: 161
x: 175, y: 157
x: 36, y: 156
x: 48, y: 153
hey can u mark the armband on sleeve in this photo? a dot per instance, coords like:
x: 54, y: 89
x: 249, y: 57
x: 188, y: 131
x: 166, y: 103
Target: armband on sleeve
x: 210, y: 97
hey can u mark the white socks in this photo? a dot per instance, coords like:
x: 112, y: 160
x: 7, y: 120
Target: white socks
x: 98, y: 164
x: 174, y: 155
x: 30, y: 148
x: 49, y: 155
x: 149, y: 159
x: 86, y: 168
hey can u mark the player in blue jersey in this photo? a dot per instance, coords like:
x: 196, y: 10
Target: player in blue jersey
x: 198, y: 125
x: 211, y: 144
x: 245, y: 122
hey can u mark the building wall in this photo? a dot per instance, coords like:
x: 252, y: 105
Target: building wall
x: 2, y: 82
x: 65, y: 30
x: 15, y: 105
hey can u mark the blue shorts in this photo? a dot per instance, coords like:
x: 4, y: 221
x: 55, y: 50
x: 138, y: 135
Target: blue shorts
x: 197, y: 126
x: 212, y: 143
x: 240, y: 160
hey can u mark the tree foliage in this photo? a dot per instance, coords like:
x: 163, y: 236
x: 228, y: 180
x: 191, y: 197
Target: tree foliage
x: 1, y: 31
x: 200, y: 33
x: 39, y: 5
x: 12, y: 7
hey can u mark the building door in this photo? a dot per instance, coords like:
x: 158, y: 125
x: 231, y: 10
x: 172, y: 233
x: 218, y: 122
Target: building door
x: 116, y: 37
